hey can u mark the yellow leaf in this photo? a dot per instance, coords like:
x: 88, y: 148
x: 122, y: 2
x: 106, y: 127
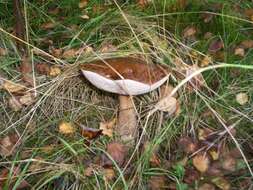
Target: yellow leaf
x: 12, y: 87
x: 201, y: 162
x: 54, y: 71
x: 242, y: 98
x: 107, y: 127
x: 83, y: 3
x: 66, y: 128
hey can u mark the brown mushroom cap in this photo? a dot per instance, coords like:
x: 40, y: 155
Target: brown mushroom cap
x: 126, y: 76
x: 129, y: 68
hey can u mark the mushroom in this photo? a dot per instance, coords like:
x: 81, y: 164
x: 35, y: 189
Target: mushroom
x: 126, y: 76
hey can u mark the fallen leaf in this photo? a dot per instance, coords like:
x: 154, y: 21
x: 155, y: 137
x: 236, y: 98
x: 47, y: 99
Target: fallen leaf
x: 83, y: 3
x: 109, y: 174
x: 85, y: 17
x: 14, y: 104
x: 143, y: 3
x: 27, y: 99
x: 214, y: 153
x: 90, y: 133
x: 42, y: 68
x: 66, y: 128
x: 239, y: 51
x: 117, y: 152
x: 206, y: 61
x: 207, y: 17
x: 247, y: 44
x: 222, y: 183
x: 215, y: 46
x: 26, y: 65
x: 242, y: 98
x: 189, y: 31
x: 156, y: 182
x: 13, y: 87
x: 187, y: 145
x: 215, y: 169
x: 3, y: 51
x: 9, y: 144
x: 56, y: 52
x: 206, y: 186
x: 204, y: 133
x: 48, y: 25
x: 228, y: 163
x: 201, y: 162
x: 89, y: 171
x: 107, y: 127
x: 69, y: 53
x: 208, y: 35
x: 191, y: 175
x: 108, y: 47
x: 54, y: 71
x: 10, y: 177
x: 165, y: 90
x: 154, y: 159
x: 167, y: 104
x: 197, y: 81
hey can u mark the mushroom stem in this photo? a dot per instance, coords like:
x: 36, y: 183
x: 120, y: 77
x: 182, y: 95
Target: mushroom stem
x: 127, y: 121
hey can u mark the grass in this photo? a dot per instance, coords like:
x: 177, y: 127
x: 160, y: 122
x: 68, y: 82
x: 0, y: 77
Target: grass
x: 156, y: 32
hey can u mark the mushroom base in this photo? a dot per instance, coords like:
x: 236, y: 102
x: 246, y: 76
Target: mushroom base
x: 127, y: 121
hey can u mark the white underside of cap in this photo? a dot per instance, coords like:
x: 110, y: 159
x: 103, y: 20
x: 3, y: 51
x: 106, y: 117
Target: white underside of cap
x: 124, y: 86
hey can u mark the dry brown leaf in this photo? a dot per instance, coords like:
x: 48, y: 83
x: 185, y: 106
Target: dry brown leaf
x: 215, y: 169
x: 167, y: 104
x: 206, y: 61
x: 54, y: 71
x: 69, y: 53
x: 242, y: 98
x: 42, y: 68
x: 56, y: 52
x: 197, y: 81
x: 143, y: 3
x: 107, y: 127
x: 8, y: 144
x: 48, y: 25
x: 83, y: 3
x: 187, y: 145
x: 204, y: 133
x: 14, y: 104
x: 10, y: 177
x: 239, y: 51
x: 215, y: 46
x: 66, y: 128
x: 3, y: 51
x: 27, y: 99
x: 109, y: 174
x: 117, y: 152
x: 247, y: 44
x: 89, y: 171
x: 206, y: 186
x: 25, y: 66
x: 229, y: 163
x: 222, y: 183
x: 207, y: 17
x: 166, y: 90
x: 54, y: 11
x: 208, y: 35
x: 189, y: 31
x: 156, y: 182
x: 13, y: 87
x: 201, y: 162
x: 90, y: 133
x: 191, y: 175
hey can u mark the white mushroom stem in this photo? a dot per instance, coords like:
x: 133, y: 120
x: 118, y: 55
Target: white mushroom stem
x: 127, y: 121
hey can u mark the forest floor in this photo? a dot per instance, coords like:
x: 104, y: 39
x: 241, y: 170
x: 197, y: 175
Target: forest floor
x: 59, y: 132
